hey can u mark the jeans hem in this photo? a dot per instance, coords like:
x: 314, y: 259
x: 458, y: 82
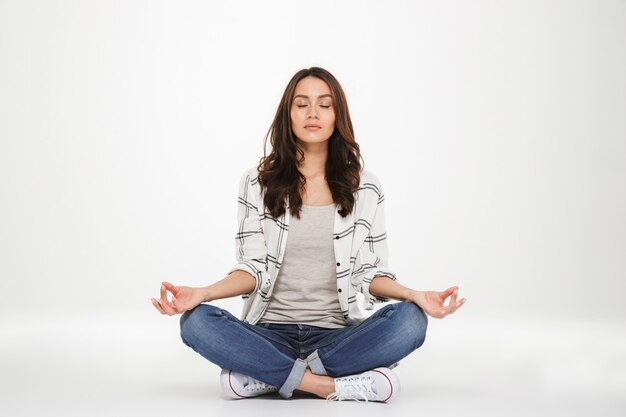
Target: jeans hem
x: 294, y: 379
x: 315, y: 364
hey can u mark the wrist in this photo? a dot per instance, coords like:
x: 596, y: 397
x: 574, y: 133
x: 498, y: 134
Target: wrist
x: 414, y: 296
x: 206, y: 295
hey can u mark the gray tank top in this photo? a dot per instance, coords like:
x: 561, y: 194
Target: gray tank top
x: 305, y: 291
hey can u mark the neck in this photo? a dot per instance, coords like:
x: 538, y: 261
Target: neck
x: 315, y: 156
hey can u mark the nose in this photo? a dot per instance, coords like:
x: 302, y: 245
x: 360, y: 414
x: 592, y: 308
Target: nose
x: 312, y: 114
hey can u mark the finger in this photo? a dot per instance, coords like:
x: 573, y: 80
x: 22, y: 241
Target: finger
x: 156, y: 305
x: 174, y: 303
x: 164, y: 300
x: 454, y: 307
x: 455, y: 292
x: 169, y: 310
x: 445, y: 294
x: 166, y: 305
x: 170, y: 287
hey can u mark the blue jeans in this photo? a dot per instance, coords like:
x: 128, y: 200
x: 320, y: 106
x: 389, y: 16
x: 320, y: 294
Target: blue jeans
x: 278, y: 354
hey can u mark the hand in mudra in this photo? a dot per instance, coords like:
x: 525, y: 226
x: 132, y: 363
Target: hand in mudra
x: 183, y: 299
x: 432, y: 302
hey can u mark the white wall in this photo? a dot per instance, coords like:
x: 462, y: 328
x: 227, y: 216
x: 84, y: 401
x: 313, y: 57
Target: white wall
x: 125, y: 126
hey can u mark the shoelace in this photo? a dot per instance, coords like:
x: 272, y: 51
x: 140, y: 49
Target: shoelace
x: 257, y: 385
x: 352, y: 388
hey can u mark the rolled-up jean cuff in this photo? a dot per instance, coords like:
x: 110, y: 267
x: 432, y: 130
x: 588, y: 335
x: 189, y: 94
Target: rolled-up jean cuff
x: 294, y: 379
x: 315, y: 364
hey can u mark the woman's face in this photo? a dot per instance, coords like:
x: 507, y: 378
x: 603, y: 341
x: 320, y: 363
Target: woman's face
x: 312, y: 111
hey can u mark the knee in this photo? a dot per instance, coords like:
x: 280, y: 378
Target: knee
x: 193, y: 321
x: 415, y: 322
x: 189, y: 324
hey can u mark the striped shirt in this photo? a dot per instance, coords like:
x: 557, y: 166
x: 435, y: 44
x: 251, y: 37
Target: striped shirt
x: 359, y: 240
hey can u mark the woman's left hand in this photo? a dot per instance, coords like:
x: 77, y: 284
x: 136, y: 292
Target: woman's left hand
x: 432, y: 302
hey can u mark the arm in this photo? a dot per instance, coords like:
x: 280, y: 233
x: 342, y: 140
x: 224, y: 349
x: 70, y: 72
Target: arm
x: 432, y: 302
x: 185, y: 298
x: 238, y: 282
x: 250, y: 246
x: 372, y: 257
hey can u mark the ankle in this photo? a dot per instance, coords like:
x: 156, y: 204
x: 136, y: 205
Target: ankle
x: 320, y: 385
x: 326, y: 387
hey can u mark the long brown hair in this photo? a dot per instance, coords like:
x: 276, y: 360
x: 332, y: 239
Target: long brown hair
x: 278, y: 173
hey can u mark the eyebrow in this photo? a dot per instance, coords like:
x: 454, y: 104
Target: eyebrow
x: 307, y: 97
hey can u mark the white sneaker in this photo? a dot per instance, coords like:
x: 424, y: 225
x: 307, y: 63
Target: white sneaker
x: 237, y: 385
x: 380, y: 384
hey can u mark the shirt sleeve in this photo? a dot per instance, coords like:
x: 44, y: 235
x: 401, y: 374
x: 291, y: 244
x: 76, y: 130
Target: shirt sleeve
x: 250, y: 247
x: 372, y: 257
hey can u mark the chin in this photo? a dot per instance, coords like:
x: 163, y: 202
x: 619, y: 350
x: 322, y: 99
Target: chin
x: 310, y: 140
x: 315, y: 138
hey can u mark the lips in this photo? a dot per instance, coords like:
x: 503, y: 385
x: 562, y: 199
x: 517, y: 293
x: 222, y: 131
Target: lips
x: 312, y: 127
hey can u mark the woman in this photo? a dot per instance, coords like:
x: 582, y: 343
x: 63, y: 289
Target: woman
x: 302, y: 326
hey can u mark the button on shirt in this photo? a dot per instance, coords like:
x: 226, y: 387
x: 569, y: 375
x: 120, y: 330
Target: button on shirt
x: 359, y: 242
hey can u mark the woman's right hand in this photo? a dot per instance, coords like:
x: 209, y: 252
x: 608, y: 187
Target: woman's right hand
x: 183, y: 299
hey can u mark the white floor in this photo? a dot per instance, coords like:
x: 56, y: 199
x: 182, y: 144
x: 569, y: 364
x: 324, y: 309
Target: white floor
x: 134, y: 364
